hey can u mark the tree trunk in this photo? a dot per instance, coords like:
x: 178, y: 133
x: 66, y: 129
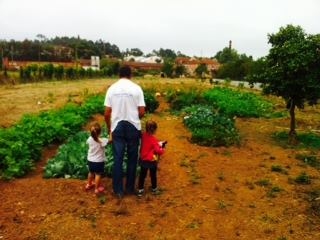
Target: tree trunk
x: 292, y: 133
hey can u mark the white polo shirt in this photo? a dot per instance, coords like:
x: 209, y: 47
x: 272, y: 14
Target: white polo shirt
x: 124, y: 97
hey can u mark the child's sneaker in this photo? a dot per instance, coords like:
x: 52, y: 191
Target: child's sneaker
x: 155, y: 191
x: 140, y: 192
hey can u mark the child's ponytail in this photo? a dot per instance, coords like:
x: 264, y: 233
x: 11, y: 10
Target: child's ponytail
x: 95, y: 131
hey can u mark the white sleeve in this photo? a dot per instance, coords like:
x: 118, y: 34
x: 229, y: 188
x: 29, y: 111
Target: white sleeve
x: 104, y: 142
x: 141, y: 102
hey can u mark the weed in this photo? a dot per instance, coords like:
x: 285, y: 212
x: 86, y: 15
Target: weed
x: 252, y: 205
x: 263, y: 182
x: 221, y: 176
x: 305, y: 140
x: 43, y: 235
x: 278, y: 168
x: 227, y: 153
x: 303, y: 178
x: 184, y: 163
x: 194, y: 224
x: 250, y: 185
x: 102, y: 199
x: 281, y: 238
x: 222, y: 204
x: 309, y: 159
x: 272, y: 193
x: 314, y: 196
x: 195, y: 178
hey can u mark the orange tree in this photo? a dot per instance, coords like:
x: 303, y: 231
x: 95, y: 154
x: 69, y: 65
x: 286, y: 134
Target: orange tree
x: 292, y: 69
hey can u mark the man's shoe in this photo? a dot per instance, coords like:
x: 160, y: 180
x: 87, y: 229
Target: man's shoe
x: 140, y: 192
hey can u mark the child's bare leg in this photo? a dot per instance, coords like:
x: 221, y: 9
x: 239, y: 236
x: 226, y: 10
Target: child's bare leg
x: 90, y: 180
x: 97, y: 181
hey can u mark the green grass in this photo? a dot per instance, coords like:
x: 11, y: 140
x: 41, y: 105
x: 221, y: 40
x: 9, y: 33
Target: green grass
x: 305, y: 140
x: 309, y: 159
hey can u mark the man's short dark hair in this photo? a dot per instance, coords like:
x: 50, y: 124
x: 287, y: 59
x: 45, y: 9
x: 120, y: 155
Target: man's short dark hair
x: 125, y: 72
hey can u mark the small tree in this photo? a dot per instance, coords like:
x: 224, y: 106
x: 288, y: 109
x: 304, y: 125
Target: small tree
x: 167, y: 68
x: 201, y: 70
x: 180, y: 70
x: 292, y: 69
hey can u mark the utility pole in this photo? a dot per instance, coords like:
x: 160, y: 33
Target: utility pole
x: 11, y: 52
x: 2, y: 58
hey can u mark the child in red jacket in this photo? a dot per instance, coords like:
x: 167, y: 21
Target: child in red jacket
x: 150, y: 150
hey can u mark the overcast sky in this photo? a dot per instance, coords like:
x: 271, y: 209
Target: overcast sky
x: 194, y: 27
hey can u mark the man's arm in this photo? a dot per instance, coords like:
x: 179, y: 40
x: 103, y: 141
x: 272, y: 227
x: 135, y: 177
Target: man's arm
x: 141, y: 111
x: 107, y: 117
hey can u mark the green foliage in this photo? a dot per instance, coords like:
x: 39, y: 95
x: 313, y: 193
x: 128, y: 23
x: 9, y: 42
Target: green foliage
x: 303, y: 178
x: 22, y: 144
x: 181, y: 99
x: 109, y: 67
x: 167, y: 54
x: 273, y: 191
x: 168, y: 68
x: 134, y: 52
x: 291, y: 65
x: 309, y: 159
x: 277, y: 168
x: 151, y: 102
x: 180, y: 70
x: 305, y: 140
x: 71, y: 159
x: 291, y: 69
x: 263, y: 182
x: 237, y: 69
x: 201, y: 70
x: 237, y: 103
x: 210, y: 128
x: 227, y: 55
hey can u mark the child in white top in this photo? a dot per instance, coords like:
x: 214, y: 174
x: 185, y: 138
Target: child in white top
x: 96, y: 158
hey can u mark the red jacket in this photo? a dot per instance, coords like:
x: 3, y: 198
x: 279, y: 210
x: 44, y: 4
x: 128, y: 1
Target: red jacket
x: 149, y: 147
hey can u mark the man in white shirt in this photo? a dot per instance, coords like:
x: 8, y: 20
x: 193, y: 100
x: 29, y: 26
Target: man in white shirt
x: 125, y: 106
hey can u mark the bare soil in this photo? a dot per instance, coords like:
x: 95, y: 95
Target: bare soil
x: 207, y: 193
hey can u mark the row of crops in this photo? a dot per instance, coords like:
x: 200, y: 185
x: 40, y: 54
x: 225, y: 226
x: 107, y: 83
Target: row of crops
x: 209, y: 115
x: 22, y: 144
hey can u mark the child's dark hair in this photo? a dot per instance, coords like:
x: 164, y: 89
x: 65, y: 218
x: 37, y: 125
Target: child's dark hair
x: 151, y: 127
x: 95, y: 131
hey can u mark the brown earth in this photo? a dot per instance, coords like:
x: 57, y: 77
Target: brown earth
x: 208, y: 193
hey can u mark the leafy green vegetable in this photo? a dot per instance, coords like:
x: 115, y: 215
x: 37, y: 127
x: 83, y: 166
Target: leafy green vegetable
x: 210, y: 128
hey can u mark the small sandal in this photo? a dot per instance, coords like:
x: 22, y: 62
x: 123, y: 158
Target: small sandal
x: 99, y: 190
x: 89, y: 186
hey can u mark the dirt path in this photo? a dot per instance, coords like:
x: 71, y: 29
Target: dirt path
x: 208, y: 193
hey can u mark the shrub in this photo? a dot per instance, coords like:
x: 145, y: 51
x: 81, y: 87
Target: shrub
x: 151, y: 102
x: 210, y: 128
